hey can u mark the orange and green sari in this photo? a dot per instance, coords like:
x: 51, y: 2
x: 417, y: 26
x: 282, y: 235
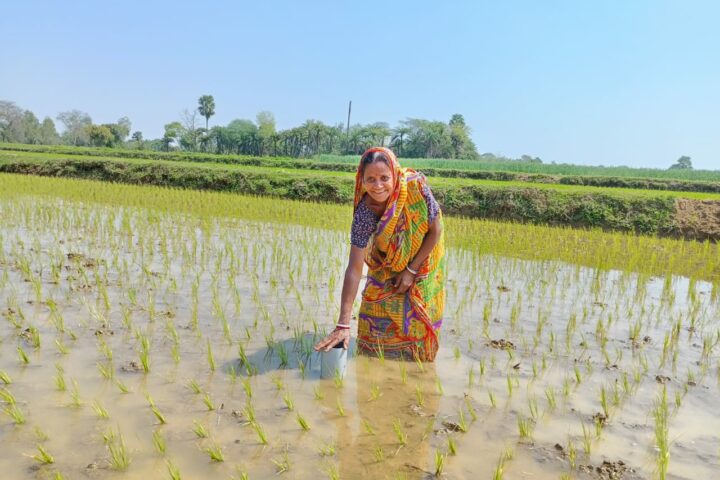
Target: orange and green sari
x: 401, y: 325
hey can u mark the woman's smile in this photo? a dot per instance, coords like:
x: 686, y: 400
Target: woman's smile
x: 378, y: 181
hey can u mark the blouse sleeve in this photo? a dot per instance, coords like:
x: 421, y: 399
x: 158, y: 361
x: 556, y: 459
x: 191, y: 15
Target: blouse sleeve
x: 363, y: 226
x: 432, y: 204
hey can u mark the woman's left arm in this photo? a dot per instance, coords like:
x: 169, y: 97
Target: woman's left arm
x: 406, y: 278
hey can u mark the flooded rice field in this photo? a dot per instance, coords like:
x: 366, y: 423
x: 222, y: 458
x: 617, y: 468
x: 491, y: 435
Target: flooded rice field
x: 143, y: 342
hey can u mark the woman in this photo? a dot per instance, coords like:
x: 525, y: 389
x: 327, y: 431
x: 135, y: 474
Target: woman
x: 397, y: 230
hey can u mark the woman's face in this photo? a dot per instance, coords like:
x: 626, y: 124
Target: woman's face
x: 378, y: 181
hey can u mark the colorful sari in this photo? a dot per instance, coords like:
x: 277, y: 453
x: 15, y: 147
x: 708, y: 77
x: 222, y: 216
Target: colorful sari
x: 401, y: 325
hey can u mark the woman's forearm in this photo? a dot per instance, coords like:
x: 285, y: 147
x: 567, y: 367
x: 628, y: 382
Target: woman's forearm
x: 349, y: 292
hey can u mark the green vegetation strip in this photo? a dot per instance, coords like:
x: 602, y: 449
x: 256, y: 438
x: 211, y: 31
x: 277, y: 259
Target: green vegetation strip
x: 646, y: 255
x: 611, y: 209
x: 614, y: 177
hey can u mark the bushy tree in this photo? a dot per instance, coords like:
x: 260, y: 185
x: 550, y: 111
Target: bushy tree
x: 75, y: 123
x: 683, y: 163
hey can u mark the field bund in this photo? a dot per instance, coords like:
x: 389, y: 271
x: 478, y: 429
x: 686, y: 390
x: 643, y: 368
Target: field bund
x: 674, y: 208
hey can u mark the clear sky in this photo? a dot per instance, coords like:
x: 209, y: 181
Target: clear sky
x: 592, y: 82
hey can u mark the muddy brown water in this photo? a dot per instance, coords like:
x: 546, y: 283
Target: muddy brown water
x: 516, y: 334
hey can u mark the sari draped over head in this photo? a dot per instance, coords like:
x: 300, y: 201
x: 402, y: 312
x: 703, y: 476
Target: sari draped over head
x: 391, y: 324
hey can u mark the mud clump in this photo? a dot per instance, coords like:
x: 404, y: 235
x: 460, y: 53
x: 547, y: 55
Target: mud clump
x: 609, y: 471
x: 502, y: 344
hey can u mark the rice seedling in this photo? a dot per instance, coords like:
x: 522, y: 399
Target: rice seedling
x: 43, y: 456
x: 339, y: 407
x: 289, y: 402
x: 100, y: 411
x: 194, y: 387
x: 210, y: 357
x: 173, y: 471
x: 119, y: 455
x: 491, y: 397
x: 661, y: 416
x: 439, y: 462
x: 17, y: 415
x: 451, y: 446
x: 586, y: 440
x: 24, y: 359
x: 260, y: 431
x: 282, y: 463
x: 379, y: 453
x: 122, y: 387
x: 400, y: 435
x: 75, y: 395
x: 525, y: 427
x: 5, y: 378
x: 327, y: 449
x: 59, y: 378
x: 200, y: 430
x: 209, y: 404
x: 159, y: 442
x: 214, y: 451
x: 303, y: 422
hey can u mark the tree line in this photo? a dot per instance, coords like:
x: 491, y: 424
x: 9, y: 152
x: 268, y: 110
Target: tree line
x: 413, y: 137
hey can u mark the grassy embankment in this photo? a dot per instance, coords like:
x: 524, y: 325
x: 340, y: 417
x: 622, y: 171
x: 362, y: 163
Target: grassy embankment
x: 623, y: 209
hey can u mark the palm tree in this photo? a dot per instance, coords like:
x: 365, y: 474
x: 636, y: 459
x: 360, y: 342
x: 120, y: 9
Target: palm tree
x: 206, y: 107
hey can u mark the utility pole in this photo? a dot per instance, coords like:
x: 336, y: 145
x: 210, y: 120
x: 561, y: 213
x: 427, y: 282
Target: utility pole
x: 347, y: 132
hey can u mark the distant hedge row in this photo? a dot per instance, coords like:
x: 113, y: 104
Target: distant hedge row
x: 626, y: 212
x: 284, y: 162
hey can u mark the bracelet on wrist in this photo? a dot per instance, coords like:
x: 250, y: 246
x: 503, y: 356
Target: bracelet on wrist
x: 414, y: 272
x: 342, y: 326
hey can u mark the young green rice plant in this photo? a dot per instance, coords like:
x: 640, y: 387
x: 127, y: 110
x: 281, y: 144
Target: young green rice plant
x: 208, y: 402
x: 6, y: 396
x: 106, y: 371
x: 24, y: 359
x: 215, y: 452
x: 572, y: 454
x: 158, y: 414
x: 173, y: 471
x: 403, y: 373
x: 100, y: 411
x: 510, y: 385
x: 303, y: 422
x: 399, y: 433
x: 61, y: 347
x: 368, y: 428
x: 327, y: 449
x: 451, y: 446
x: 159, y: 442
x: 200, y: 430
x: 339, y: 407
x: 419, y: 396
x: 75, y: 395
x: 439, y: 462
x: 247, y: 386
x: 289, y: 402
x: 260, y: 431
x: 194, y: 387
x: 43, y: 456
x: 319, y: 395
x: 17, y: 415
x: 604, y: 402
x: 375, y: 393
x: 462, y: 423
x: 471, y: 409
x: 210, y: 357
x: 122, y: 387
x: 525, y: 427
x: 5, y: 378
x: 282, y: 463
x: 586, y: 440
x: 145, y: 353
x: 379, y: 453
x: 491, y: 397
x: 550, y: 395
x: 499, y: 472
x: 119, y: 455
x: 661, y: 416
x: 338, y: 379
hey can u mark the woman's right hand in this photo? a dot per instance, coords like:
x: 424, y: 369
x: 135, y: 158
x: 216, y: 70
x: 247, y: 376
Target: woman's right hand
x: 339, y: 335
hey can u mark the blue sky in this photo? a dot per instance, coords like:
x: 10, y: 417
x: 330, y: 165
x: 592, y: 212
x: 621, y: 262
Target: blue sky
x: 592, y: 82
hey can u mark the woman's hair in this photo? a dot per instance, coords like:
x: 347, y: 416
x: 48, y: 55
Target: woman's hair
x: 373, y: 157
